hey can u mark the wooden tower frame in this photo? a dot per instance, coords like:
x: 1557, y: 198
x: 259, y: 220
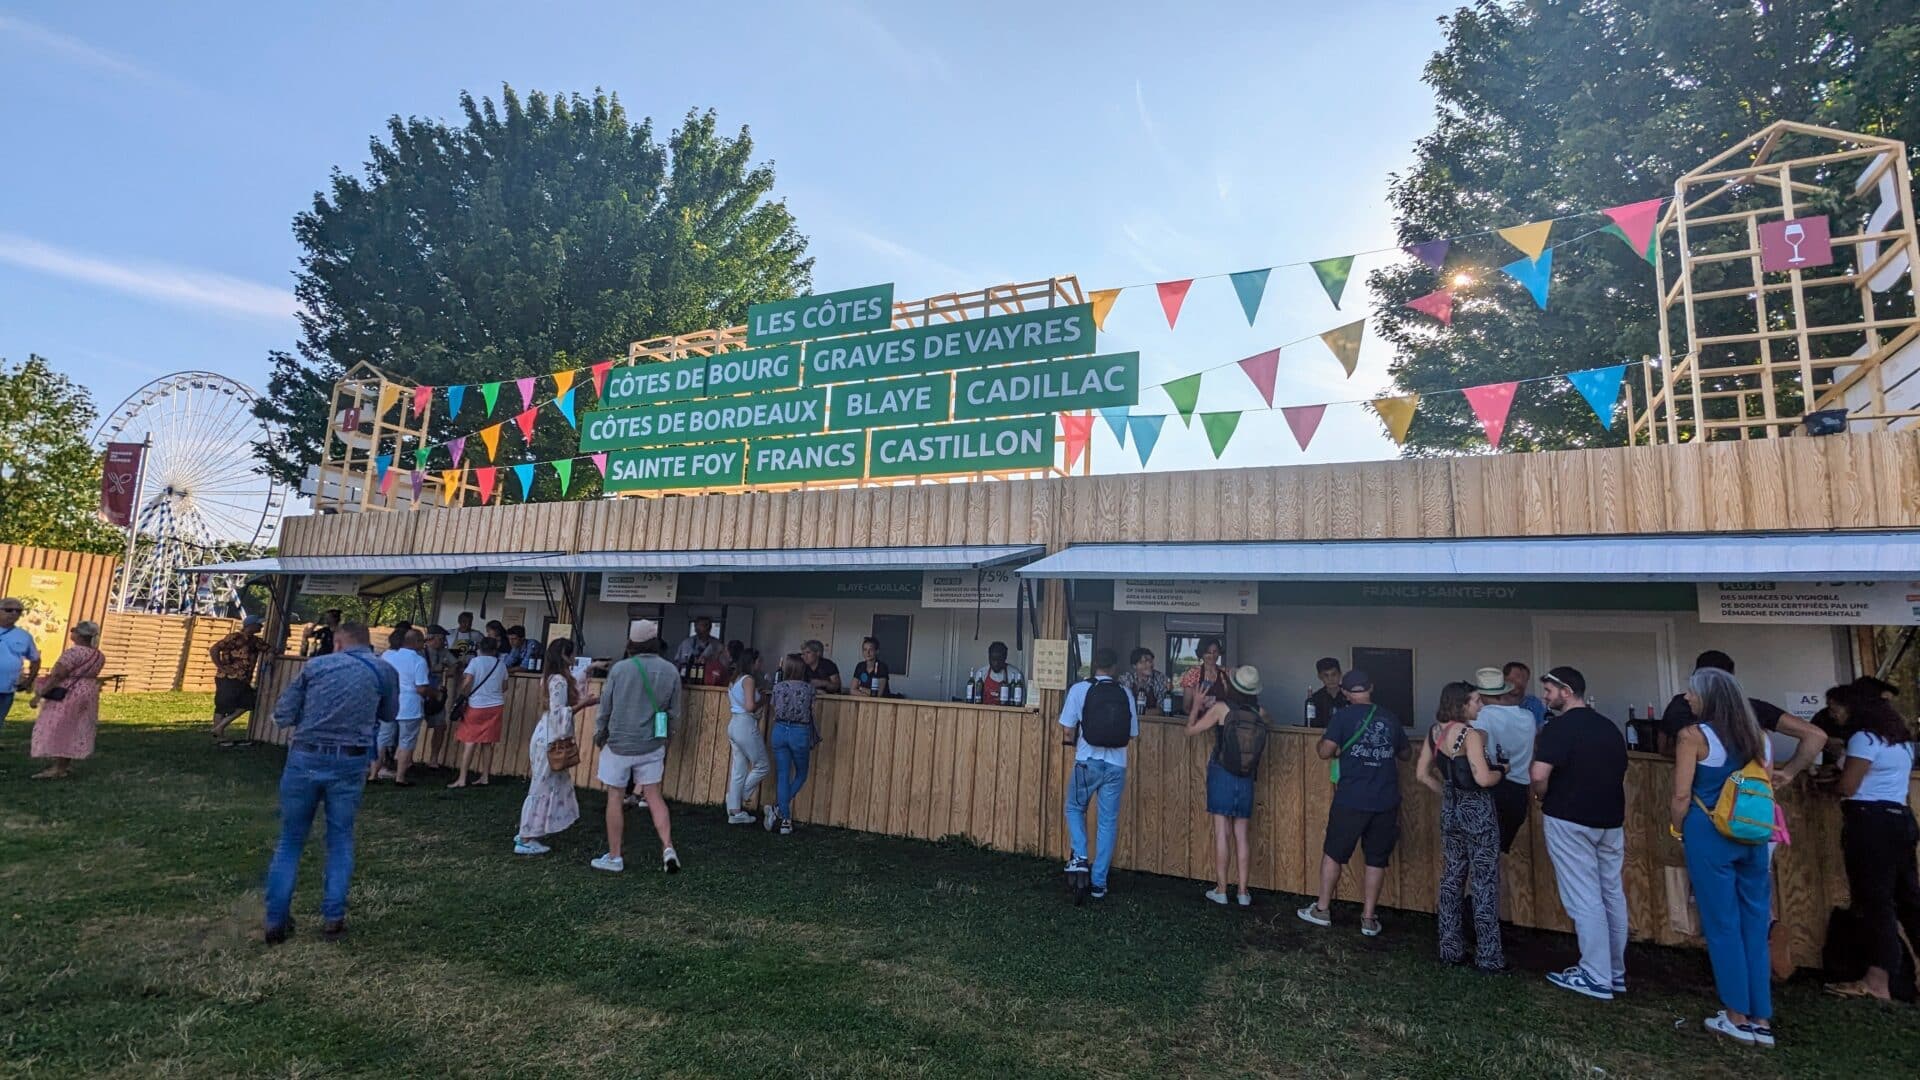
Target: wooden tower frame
x: 1744, y: 355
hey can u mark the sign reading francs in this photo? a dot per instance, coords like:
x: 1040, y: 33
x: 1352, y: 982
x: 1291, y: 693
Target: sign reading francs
x: 712, y: 465
x: 1869, y: 603
x: 784, y: 412
x: 704, y: 376
x: 639, y: 588
x: 1092, y: 382
x: 891, y: 403
x: 1199, y: 597
x: 989, y: 446
x: 841, y: 456
x: 999, y: 339
x: 967, y: 588
x: 849, y: 311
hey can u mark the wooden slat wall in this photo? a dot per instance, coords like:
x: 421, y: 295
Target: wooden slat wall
x: 161, y: 652
x: 93, y: 574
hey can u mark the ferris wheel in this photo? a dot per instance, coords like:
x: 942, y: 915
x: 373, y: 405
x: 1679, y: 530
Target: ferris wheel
x: 202, y: 495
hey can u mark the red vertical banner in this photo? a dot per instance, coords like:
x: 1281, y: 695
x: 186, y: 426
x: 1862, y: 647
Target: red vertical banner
x: 118, y: 476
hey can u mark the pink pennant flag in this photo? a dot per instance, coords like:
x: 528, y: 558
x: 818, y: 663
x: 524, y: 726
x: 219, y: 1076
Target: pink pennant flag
x: 484, y: 477
x: 421, y: 396
x: 600, y: 377
x: 1491, y: 403
x: 525, y: 386
x: 1261, y: 368
x: 1172, y: 295
x: 1076, y: 430
x: 457, y: 447
x: 1438, y: 303
x: 1304, y: 420
x: 1637, y: 220
x: 600, y: 462
x: 386, y: 481
x: 525, y: 422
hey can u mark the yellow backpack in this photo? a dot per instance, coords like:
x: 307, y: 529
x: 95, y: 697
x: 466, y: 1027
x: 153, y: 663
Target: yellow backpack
x: 1744, y: 813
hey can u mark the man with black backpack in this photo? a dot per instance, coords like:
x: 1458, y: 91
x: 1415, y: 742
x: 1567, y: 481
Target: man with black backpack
x: 1102, y: 713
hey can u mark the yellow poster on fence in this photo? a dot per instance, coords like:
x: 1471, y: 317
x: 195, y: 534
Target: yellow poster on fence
x: 47, y: 596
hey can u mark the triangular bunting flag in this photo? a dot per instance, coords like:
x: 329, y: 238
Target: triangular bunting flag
x: 419, y: 478
x: 457, y: 447
x: 600, y: 462
x: 1535, y: 274
x: 1261, y: 368
x: 1438, y: 303
x: 524, y: 421
x: 565, y: 404
x: 449, y: 485
x: 484, y: 477
x: 490, y: 393
x: 1102, y: 300
x: 1185, y: 394
x: 1636, y: 222
x: 1345, y: 343
x: 1615, y: 230
x: 389, y: 393
x: 1146, y: 432
x: 1333, y: 274
x: 1075, y: 430
x: 1220, y: 427
x: 1116, y: 418
x: 562, y: 382
x: 1172, y: 295
x: 1530, y: 238
x: 380, y: 465
x: 523, y: 472
x: 1491, y: 403
x: 525, y: 386
x: 1250, y: 286
x: 490, y: 435
x: 455, y: 396
x: 422, y: 396
x: 387, y: 477
x: 1397, y: 414
x: 564, y: 469
x: 600, y: 377
x: 420, y: 457
x: 1432, y: 252
x: 1601, y: 388
x: 1304, y: 420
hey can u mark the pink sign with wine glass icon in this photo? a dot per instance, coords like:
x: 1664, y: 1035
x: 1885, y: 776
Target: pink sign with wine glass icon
x: 1795, y: 244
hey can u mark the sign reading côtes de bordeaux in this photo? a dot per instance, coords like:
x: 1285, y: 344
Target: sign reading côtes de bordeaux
x: 873, y: 404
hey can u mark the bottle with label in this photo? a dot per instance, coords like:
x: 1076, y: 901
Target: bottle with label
x: 973, y: 690
x: 1166, y: 703
x: 1019, y: 692
x: 1313, y: 713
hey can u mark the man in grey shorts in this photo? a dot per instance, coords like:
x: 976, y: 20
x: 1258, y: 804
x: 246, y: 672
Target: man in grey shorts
x: 639, y: 708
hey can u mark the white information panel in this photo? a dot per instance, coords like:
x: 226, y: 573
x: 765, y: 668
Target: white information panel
x: 1866, y: 603
x: 524, y: 587
x: 638, y: 588
x: 1199, y: 597
x: 1049, y: 658
x: 967, y: 588
x: 330, y: 585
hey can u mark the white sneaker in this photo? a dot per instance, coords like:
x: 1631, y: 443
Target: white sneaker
x: 670, y: 861
x: 529, y: 847
x: 772, y: 815
x: 1246, y: 900
x: 1762, y: 1034
x: 739, y: 817
x: 1719, y: 1025
x: 612, y: 864
x: 1312, y: 913
x: 1217, y: 897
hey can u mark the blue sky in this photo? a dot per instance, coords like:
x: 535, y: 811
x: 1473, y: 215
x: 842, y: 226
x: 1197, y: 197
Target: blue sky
x: 157, y: 155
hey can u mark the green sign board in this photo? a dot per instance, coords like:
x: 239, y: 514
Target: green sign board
x: 713, y: 465
x: 741, y: 372
x: 785, y: 412
x: 891, y: 403
x: 999, y: 339
x: 1091, y: 382
x: 990, y: 446
x: 850, y: 311
x: 818, y: 457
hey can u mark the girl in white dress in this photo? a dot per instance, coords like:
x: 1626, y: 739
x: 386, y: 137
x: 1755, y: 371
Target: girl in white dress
x: 550, y: 805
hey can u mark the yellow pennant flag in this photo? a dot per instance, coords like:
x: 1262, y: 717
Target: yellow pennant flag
x: 389, y: 393
x: 1102, y: 303
x: 1530, y: 238
x: 1397, y: 412
x: 491, y: 436
x: 449, y: 485
x: 562, y: 382
x: 1345, y: 343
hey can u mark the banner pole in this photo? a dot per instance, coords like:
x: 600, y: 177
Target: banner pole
x: 133, y: 522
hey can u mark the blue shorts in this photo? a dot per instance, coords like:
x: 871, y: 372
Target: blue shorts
x: 403, y: 733
x: 1228, y: 795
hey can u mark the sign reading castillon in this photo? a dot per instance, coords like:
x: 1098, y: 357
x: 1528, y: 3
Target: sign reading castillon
x: 990, y: 446
x: 850, y: 311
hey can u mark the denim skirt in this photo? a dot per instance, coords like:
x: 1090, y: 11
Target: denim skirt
x: 1227, y: 794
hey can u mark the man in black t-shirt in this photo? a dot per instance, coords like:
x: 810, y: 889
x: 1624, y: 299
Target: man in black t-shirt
x: 1678, y: 714
x: 1580, y: 776
x: 1370, y: 742
x: 823, y: 673
x: 1327, y: 698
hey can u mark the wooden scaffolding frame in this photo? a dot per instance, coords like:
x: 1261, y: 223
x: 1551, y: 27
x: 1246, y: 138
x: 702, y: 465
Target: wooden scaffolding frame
x: 1742, y: 356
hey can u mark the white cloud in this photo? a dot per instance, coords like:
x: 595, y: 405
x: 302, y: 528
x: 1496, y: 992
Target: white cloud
x: 177, y: 285
x: 71, y: 49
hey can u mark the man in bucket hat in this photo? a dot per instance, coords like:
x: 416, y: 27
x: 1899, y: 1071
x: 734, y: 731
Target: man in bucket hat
x: 1510, y: 731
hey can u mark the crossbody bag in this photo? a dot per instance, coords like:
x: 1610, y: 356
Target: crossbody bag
x: 1333, y: 769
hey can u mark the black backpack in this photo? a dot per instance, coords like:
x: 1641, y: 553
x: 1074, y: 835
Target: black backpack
x: 1106, y: 716
x: 1243, y: 738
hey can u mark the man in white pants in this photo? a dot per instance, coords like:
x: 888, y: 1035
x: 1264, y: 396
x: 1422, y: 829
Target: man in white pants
x: 1579, y: 776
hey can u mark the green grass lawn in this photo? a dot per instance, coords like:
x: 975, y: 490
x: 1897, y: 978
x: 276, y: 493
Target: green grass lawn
x: 130, y: 901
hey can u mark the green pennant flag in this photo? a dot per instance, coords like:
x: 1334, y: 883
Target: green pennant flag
x: 1333, y: 276
x: 1185, y: 394
x: 1652, y: 241
x: 420, y: 457
x: 491, y: 393
x: 564, y: 467
x: 1220, y: 427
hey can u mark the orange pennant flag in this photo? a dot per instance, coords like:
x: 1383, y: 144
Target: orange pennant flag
x: 562, y: 381
x: 1530, y: 238
x: 491, y: 436
x: 1397, y: 414
x: 1076, y: 430
x: 1172, y: 295
x: 525, y: 422
x: 389, y: 393
x: 1102, y: 303
x: 449, y: 486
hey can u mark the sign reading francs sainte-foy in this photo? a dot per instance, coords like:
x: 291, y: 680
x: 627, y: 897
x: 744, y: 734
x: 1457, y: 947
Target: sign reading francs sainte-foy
x: 891, y: 403
x: 999, y: 339
x: 987, y: 446
x: 704, y: 376
x: 849, y: 311
x: 660, y: 469
x: 1092, y: 382
x: 783, y: 412
x: 841, y: 456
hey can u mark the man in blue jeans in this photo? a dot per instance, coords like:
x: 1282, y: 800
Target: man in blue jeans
x: 335, y: 707
x: 1099, y: 763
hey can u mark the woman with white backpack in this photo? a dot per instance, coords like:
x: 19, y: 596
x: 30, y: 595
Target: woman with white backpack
x: 1240, y: 726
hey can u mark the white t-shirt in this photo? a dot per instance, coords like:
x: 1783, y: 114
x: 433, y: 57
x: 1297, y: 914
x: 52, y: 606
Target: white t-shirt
x: 412, y: 669
x: 1886, y: 779
x: 489, y: 681
x: 1511, y: 730
x: 16, y: 648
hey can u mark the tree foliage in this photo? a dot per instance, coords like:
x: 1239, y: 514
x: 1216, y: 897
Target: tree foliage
x: 52, y: 499
x: 541, y: 234
x: 1553, y: 107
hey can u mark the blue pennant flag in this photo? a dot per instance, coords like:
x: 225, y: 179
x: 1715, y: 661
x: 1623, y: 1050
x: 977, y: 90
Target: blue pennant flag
x: 565, y: 404
x: 525, y: 474
x: 1601, y: 388
x: 1146, y: 432
x: 1251, y: 285
x: 1116, y: 418
x: 1534, y: 274
x: 380, y: 465
x: 455, y: 395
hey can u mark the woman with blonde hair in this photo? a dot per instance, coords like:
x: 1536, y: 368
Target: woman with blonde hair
x: 68, y: 697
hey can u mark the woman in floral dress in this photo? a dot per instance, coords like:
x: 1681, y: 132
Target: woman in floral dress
x: 65, y: 727
x: 551, y: 805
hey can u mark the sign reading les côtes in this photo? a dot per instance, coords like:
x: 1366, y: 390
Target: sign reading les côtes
x: 713, y: 465
x: 785, y: 412
x: 739, y: 372
x: 849, y: 311
x: 1092, y: 382
x: 999, y: 339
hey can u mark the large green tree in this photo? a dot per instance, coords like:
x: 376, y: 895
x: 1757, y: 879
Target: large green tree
x: 540, y: 234
x: 1550, y: 107
x: 49, y: 473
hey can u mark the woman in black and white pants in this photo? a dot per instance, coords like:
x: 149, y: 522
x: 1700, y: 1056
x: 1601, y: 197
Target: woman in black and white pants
x: 1455, y: 763
x: 1877, y: 836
